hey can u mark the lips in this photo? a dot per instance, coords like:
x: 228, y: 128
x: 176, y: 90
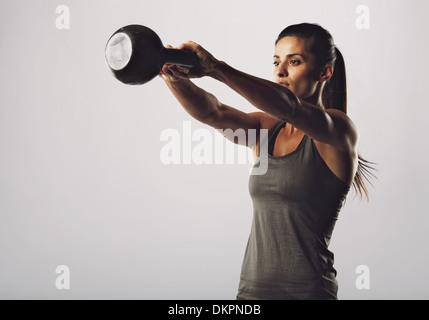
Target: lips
x: 284, y: 84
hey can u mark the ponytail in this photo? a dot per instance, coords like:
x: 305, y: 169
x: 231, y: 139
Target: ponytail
x: 335, y: 96
x: 335, y: 91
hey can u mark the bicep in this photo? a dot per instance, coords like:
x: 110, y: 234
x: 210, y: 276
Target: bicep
x: 235, y: 125
x: 330, y: 126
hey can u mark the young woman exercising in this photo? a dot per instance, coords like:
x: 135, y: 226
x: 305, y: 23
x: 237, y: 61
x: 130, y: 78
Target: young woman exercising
x: 312, y: 158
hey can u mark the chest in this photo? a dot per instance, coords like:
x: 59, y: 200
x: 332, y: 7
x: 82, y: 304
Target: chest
x: 340, y: 163
x: 294, y: 175
x: 286, y: 145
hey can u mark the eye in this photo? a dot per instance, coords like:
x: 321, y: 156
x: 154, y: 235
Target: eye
x: 276, y: 63
x: 295, y: 62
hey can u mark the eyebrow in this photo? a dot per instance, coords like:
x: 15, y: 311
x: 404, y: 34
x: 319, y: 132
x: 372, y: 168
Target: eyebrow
x: 291, y: 55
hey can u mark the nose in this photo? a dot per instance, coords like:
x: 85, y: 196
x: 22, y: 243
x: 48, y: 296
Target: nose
x: 281, y: 70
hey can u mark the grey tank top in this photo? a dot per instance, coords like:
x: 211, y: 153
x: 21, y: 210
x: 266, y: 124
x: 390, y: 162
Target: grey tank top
x: 295, y: 206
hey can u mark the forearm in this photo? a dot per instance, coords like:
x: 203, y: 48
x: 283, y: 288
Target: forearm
x: 265, y: 95
x: 199, y: 103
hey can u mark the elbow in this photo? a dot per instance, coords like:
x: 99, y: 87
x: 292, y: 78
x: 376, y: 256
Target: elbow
x: 212, y: 114
x: 290, y: 104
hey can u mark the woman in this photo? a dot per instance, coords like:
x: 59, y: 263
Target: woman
x: 312, y: 158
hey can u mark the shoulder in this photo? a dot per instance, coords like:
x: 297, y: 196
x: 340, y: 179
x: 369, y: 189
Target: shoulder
x: 345, y: 128
x: 266, y: 121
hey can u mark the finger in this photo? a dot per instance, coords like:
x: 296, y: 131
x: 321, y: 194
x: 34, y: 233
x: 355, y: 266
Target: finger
x: 171, y: 70
x: 163, y: 70
x: 183, y: 69
x: 190, y: 45
x: 176, y: 72
x: 168, y: 76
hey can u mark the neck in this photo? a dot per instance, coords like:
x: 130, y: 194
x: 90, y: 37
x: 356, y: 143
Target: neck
x: 289, y: 129
x: 316, y: 98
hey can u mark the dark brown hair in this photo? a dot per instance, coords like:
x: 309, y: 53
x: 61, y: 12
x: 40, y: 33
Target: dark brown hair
x: 320, y: 44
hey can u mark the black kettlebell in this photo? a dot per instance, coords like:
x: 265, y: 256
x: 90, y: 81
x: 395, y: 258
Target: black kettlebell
x: 135, y: 55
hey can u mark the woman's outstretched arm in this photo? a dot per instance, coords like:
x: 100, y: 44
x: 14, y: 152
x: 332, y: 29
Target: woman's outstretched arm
x: 329, y: 126
x: 206, y: 108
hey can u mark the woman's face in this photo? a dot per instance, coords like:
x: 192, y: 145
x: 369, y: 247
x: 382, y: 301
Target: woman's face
x: 294, y: 68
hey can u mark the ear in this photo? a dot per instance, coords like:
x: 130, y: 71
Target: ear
x: 326, y: 73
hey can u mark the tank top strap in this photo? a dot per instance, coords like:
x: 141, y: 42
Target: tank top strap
x: 272, y: 134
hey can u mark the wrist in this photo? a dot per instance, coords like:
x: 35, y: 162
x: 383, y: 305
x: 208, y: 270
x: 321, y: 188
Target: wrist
x: 170, y: 80
x: 178, y: 84
x: 217, y: 71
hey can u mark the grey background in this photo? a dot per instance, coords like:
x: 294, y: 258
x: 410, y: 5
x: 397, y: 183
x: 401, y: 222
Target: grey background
x: 82, y: 184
